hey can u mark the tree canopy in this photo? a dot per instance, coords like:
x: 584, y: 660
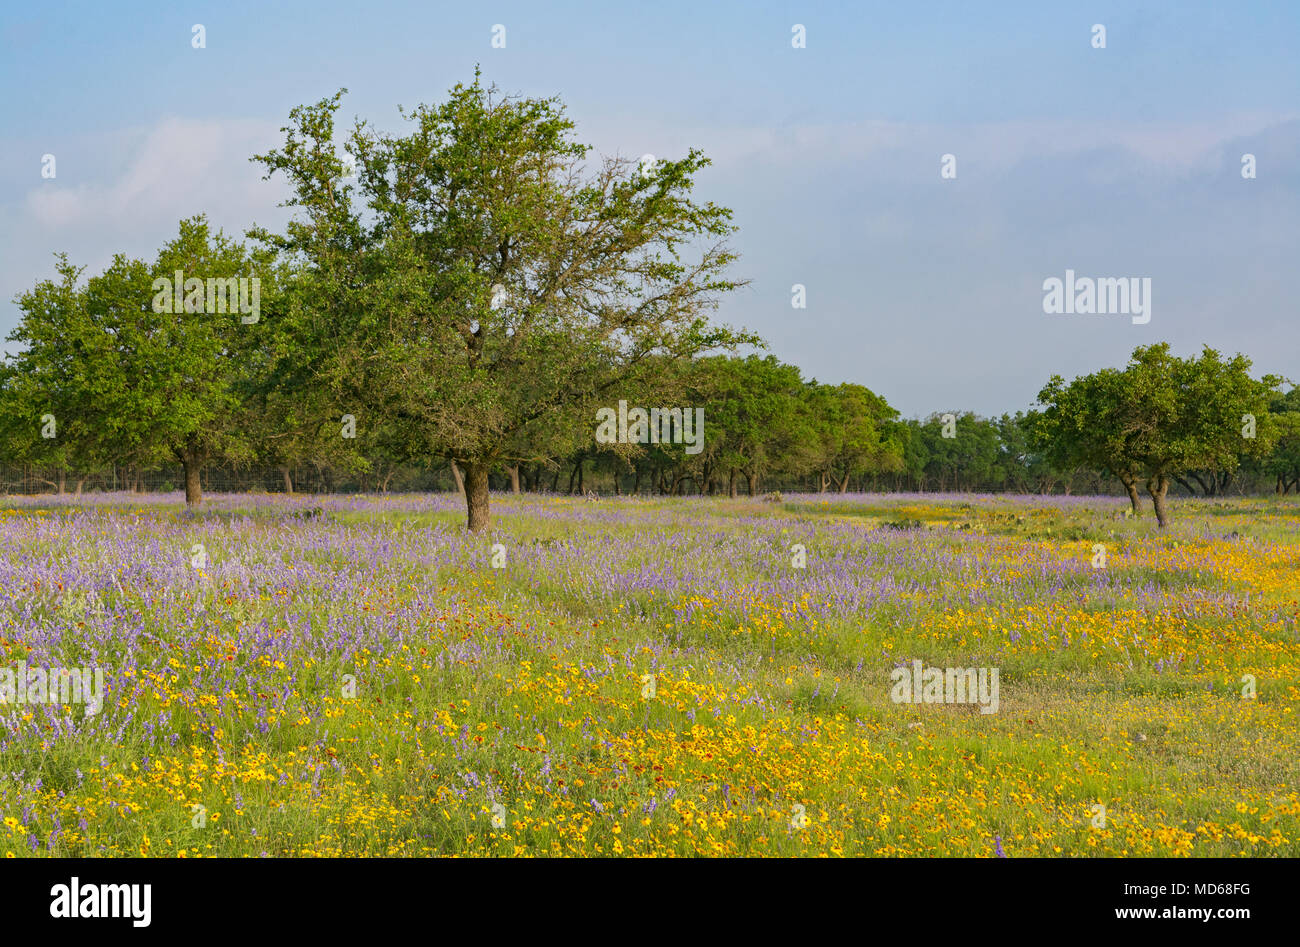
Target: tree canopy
x: 472, y: 293
x: 481, y: 279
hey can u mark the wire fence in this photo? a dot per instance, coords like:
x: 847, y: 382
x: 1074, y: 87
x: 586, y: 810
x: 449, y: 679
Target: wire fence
x: 31, y: 480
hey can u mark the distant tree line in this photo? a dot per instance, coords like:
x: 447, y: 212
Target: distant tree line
x: 454, y: 307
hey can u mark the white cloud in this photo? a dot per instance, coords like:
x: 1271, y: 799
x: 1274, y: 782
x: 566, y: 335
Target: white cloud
x: 175, y: 169
x: 125, y: 192
x: 1175, y: 145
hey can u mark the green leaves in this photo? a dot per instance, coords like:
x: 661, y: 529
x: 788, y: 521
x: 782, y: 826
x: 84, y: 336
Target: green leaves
x: 483, y: 283
x: 1160, y: 417
x: 131, y: 377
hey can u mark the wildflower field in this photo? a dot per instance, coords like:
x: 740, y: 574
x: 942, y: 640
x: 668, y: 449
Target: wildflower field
x: 360, y: 676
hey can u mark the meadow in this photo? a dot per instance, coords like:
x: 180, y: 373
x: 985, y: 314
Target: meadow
x: 355, y: 675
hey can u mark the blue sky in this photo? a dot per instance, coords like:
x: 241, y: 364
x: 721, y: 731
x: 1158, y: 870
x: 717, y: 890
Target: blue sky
x: 1115, y: 162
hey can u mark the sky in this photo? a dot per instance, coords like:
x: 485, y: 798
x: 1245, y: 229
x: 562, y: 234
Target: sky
x: 1115, y: 162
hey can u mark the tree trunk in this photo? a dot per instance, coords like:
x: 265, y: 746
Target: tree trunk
x: 1131, y: 486
x: 844, y: 484
x: 1158, y: 487
x: 288, y: 479
x: 460, y: 481
x: 63, y: 474
x: 477, y: 515
x: 731, y: 484
x: 81, y: 482
x: 193, y: 486
x: 749, y: 484
x: 514, y: 479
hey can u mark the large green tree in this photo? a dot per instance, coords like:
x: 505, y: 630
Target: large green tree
x: 1283, y: 461
x: 139, y: 369
x: 55, y: 387
x: 187, y: 360
x: 956, y: 452
x: 1160, y: 417
x: 483, y: 276
x: 1091, y: 422
x: 1197, y: 415
x: 853, y: 431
